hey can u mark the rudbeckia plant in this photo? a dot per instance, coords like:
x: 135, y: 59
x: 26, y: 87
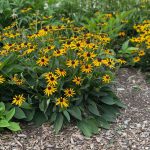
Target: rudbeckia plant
x: 59, y: 73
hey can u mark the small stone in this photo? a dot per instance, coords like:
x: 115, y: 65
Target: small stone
x: 138, y: 125
x: 92, y: 146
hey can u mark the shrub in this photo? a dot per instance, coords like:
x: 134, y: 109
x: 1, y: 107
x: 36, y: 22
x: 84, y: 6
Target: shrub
x: 60, y: 72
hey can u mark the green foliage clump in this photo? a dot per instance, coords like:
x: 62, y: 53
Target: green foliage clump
x: 6, y: 118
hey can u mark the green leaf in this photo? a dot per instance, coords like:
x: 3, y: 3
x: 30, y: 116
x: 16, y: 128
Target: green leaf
x: 26, y: 105
x: 103, y: 123
x: 75, y: 112
x: 53, y: 117
x: 14, y: 126
x: 39, y: 118
x: 19, y: 114
x: 29, y: 114
x: 84, y: 128
x: 58, y: 123
x: 108, y: 100
x: 8, y: 60
x: 4, y: 123
x: 120, y: 104
x: 109, y: 117
x: 88, y: 126
x: 93, y: 108
x: 2, y: 107
x: 44, y: 105
x: 93, y: 124
x: 10, y: 114
x: 66, y: 114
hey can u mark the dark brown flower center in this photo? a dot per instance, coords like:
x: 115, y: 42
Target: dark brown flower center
x: 88, y: 55
x: 58, y: 52
x: 69, y: 92
x: 49, y: 88
x: 78, y: 44
x: 86, y: 67
x: 99, y: 60
x: 52, y: 79
x: 42, y: 60
x: 73, y: 62
x: 61, y: 70
x: 61, y: 100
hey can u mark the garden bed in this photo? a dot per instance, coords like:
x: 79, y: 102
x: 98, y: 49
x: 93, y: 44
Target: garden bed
x: 131, y: 131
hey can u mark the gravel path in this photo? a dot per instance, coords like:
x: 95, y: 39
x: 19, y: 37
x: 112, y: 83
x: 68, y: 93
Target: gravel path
x: 131, y: 132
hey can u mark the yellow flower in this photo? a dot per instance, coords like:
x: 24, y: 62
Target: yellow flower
x: 77, y: 80
x: 108, y: 52
x: 97, y: 62
x: 72, y: 63
x: 43, y: 61
x: 60, y: 72
x: 16, y: 80
x: 48, y: 75
x: 69, y: 92
x: 136, y: 59
x: 63, y: 102
x: 109, y: 63
x: 86, y: 68
x: 106, y: 78
x: 18, y: 100
x: 121, y: 61
x: 49, y: 48
x: 88, y: 55
x: 121, y: 34
x: 141, y: 53
x: 60, y: 52
x: 2, y: 79
x: 52, y: 80
x: 50, y: 90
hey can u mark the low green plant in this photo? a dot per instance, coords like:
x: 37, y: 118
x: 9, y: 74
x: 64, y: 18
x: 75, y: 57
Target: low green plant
x: 63, y: 71
x: 6, y: 118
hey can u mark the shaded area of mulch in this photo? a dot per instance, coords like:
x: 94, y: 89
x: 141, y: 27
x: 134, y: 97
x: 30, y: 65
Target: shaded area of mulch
x: 130, y: 132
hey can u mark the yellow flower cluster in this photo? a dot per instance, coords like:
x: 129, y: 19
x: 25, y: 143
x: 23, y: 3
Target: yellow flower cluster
x: 68, y: 56
x: 143, y: 39
x: 144, y: 33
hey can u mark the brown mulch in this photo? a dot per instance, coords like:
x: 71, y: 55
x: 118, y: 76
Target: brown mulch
x: 130, y: 132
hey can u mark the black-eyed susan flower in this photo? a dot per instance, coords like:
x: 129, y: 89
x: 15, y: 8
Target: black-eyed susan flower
x: 86, y: 68
x: 136, y: 59
x: 50, y: 90
x: 72, y: 63
x: 17, y: 80
x: 109, y: 52
x: 109, y: 63
x: 62, y: 102
x: 60, y: 72
x: 122, y: 34
x: 69, y: 92
x: 52, y: 80
x: 106, y: 78
x: 48, y: 75
x: 2, y: 79
x: 77, y: 80
x: 59, y: 52
x: 88, y: 55
x: 18, y: 100
x: 121, y: 61
x: 97, y: 62
x: 43, y: 61
x: 141, y: 53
